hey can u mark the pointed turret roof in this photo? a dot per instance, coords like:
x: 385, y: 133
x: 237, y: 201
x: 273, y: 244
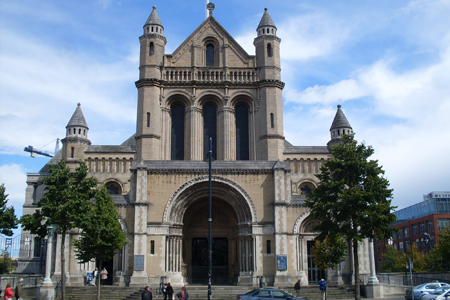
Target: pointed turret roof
x: 340, y: 121
x: 266, y: 20
x: 154, y: 18
x: 78, y: 119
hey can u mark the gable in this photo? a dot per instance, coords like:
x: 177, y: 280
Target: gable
x: 192, y: 52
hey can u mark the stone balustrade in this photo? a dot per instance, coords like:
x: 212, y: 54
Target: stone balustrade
x: 235, y: 75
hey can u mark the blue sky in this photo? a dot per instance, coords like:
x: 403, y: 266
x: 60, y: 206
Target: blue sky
x: 386, y: 62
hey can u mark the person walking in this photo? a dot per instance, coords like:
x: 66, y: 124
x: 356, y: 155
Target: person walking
x: 169, y: 291
x: 104, y: 275
x: 297, y: 288
x: 183, y: 294
x: 8, y: 292
x: 147, y: 294
x: 323, y: 288
x: 18, y: 292
x: 164, y: 291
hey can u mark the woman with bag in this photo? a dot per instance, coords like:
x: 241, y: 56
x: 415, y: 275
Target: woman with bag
x: 8, y: 292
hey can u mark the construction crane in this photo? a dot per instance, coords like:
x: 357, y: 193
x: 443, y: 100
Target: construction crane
x: 33, y: 151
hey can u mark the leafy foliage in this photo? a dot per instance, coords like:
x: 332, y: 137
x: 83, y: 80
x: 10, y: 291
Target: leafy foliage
x: 353, y: 197
x: 8, y: 219
x: 64, y: 205
x: 439, y: 257
x: 392, y: 261
x: 330, y: 252
x: 102, y: 234
x: 7, y: 265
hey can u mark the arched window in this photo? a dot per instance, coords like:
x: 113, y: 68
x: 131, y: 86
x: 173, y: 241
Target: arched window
x: 209, y: 55
x: 209, y: 128
x: 242, y: 138
x: 272, y: 121
x: 113, y: 188
x: 72, y: 152
x: 269, y: 50
x: 152, y: 49
x: 148, y: 119
x: 177, y: 132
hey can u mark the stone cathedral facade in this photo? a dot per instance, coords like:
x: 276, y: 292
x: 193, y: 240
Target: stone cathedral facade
x: 209, y: 88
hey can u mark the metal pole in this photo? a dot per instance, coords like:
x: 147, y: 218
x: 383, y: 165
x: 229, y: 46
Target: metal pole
x: 210, y: 222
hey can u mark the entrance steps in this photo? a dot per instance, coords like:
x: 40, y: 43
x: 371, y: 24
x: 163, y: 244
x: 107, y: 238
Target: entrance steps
x: 197, y: 292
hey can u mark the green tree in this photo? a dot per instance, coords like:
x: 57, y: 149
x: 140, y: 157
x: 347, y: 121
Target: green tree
x: 392, y: 261
x: 7, y: 265
x: 329, y: 253
x: 353, y: 197
x: 64, y: 205
x: 417, y: 258
x: 8, y: 219
x: 101, y: 234
x: 439, y: 257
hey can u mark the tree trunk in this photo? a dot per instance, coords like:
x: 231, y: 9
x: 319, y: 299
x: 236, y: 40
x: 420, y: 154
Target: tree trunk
x: 356, y: 264
x: 63, y: 265
x: 99, y: 279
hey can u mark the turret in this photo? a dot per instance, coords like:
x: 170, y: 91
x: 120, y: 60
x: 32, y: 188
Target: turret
x: 148, y: 126
x: 339, y: 127
x: 267, y: 46
x: 76, y: 139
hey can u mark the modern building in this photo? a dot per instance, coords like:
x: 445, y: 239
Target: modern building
x: 419, y: 224
x: 209, y: 88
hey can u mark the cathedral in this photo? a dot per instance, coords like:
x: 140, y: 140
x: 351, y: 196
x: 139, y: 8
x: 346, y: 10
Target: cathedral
x: 208, y: 91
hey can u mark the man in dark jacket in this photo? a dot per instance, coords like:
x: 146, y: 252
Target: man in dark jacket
x: 147, y: 294
x: 18, y: 292
x: 169, y: 291
x: 297, y: 288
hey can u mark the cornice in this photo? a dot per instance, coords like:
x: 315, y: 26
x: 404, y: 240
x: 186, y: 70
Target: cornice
x: 267, y: 37
x: 152, y: 36
x: 272, y: 137
x: 151, y: 136
x: 76, y: 139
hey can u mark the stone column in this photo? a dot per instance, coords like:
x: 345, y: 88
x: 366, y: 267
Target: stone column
x: 194, y: 130
x: 139, y: 276
x: 226, y: 134
x: 373, y: 288
x: 47, y: 290
x: 166, y: 129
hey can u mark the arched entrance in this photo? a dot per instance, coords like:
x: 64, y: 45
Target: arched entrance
x: 233, y: 214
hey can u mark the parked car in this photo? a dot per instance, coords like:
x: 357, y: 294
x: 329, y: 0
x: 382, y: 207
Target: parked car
x: 423, y: 289
x: 437, y: 292
x: 267, y: 294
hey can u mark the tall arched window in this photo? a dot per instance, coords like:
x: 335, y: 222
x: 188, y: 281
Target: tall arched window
x: 269, y: 50
x: 242, y: 139
x: 209, y: 128
x: 272, y: 121
x: 152, y: 48
x: 177, y: 132
x: 209, y: 55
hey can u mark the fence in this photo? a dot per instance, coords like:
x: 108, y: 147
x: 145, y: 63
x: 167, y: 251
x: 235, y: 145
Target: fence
x: 418, y: 278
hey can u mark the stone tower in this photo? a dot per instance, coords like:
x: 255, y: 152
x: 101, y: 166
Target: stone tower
x: 148, y: 128
x: 267, y: 46
x: 76, y: 140
x: 339, y: 127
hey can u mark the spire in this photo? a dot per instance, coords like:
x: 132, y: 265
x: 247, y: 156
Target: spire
x: 340, y: 121
x: 154, y: 18
x: 266, y: 20
x: 78, y: 119
x: 339, y: 127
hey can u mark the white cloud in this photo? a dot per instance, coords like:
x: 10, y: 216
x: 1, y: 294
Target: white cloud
x: 14, y: 178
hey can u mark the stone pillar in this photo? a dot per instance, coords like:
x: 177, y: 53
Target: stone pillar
x: 373, y: 288
x: 194, y: 130
x: 166, y: 130
x: 139, y: 276
x: 47, y: 290
x: 174, y: 260
x: 227, y: 134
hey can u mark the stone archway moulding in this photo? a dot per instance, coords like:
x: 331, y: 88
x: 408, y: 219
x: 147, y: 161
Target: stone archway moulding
x: 174, y: 200
x: 299, y: 222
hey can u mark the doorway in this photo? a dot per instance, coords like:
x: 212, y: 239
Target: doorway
x: 314, y: 273
x: 219, y: 259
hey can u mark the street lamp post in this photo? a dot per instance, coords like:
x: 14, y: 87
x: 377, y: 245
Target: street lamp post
x: 210, y: 222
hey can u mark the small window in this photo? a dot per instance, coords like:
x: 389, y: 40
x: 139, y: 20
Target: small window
x: 272, y: 121
x: 151, y: 49
x: 339, y: 133
x: 273, y: 31
x: 74, y: 131
x: 84, y: 132
x: 269, y: 248
x: 113, y: 188
x: 269, y: 50
x: 152, y: 247
x: 209, y: 55
x: 152, y: 28
x: 37, y: 247
x: 263, y: 31
x: 79, y: 131
x: 72, y: 152
x: 148, y: 119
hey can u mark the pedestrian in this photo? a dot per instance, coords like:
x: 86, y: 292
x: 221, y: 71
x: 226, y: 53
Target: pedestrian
x: 323, y: 288
x: 183, y: 294
x: 164, y: 290
x: 18, y: 292
x: 297, y: 288
x: 147, y: 294
x: 8, y: 292
x: 95, y: 275
x: 169, y: 291
x: 104, y: 275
